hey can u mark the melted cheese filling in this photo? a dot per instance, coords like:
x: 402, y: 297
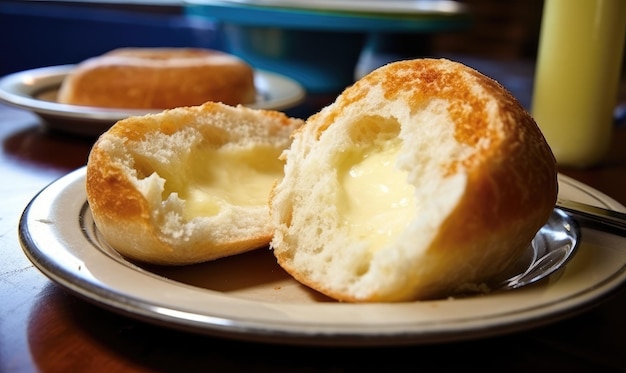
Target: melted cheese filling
x: 221, y: 177
x: 377, y: 202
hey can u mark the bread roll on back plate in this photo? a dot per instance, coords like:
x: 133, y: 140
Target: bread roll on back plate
x: 189, y: 184
x: 159, y: 78
x: 422, y: 179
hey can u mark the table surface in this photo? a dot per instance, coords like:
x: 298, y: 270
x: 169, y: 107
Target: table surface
x: 45, y: 328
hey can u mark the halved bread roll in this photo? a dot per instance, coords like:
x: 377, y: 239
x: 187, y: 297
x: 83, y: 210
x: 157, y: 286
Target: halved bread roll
x: 422, y: 179
x: 189, y: 184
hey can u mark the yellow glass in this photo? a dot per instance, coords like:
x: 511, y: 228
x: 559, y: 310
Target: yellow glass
x: 578, y: 70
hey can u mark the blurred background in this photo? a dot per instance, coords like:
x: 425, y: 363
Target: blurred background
x: 46, y: 33
x: 57, y: 32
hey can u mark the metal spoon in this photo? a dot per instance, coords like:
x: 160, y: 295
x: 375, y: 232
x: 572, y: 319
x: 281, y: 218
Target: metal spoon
x: 552, y: 247
x: 596, y: 217
x: 557, y: 241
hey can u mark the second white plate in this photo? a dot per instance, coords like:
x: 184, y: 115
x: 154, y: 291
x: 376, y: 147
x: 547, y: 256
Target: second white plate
x: 36, y: 90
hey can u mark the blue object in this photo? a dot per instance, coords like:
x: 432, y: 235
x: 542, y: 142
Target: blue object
x: 320, y: 49
x: 37, y: 34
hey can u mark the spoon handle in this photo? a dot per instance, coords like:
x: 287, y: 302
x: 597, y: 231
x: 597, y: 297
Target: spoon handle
x: 585, y: 213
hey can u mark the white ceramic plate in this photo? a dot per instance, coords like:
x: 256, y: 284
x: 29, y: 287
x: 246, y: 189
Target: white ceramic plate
x: 249, y: 297
x: 36, y: 90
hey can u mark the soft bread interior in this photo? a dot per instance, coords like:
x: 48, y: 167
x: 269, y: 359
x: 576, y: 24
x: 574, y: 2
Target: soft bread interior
x: 199, y: 178
x: 380, y: 196
x: 400, y: 190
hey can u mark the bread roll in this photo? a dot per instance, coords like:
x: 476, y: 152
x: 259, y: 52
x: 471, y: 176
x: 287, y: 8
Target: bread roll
x: 422, y: 179
x: 189, y: 184
x: 159, y: 78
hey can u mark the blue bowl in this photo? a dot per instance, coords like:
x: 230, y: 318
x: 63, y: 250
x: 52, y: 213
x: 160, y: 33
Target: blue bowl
x: 318, y: 48
x: 322, y: 61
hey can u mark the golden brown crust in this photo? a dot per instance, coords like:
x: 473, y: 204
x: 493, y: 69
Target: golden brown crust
x: 159, y: 78
x: 509, y: 193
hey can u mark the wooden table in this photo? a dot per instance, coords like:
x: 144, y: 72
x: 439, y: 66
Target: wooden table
x: 44, y: 328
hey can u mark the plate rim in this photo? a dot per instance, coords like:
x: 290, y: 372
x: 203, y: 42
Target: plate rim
x: 304, y: 17
x: 266, y: 329
x: 414, y: 7
x: 17, y: 89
